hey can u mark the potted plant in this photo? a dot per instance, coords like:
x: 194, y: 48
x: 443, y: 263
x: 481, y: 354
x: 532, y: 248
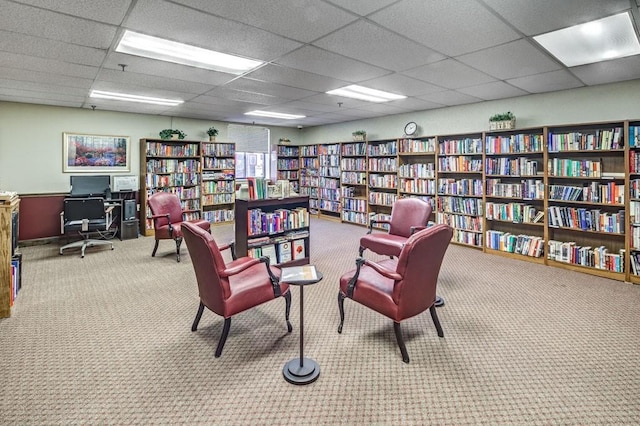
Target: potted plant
x: 502, y: 121
x: 212, y: 132
x: 359, y: 135
x: 172, y: 134
x: 284, y: 140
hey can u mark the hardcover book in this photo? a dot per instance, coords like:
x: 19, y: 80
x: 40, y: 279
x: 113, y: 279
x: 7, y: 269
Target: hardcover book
x: 298, y: 249
x: 284, y: 252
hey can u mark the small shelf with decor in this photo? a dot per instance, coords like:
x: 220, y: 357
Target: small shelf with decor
x: 218, y: 181
x: 417, y: 169
x: 277, y: 228
x: 460, y: 187
x: 288, y: 164
x: 514, y: 193
x: 329, y: 180
x: 353, y: 182
x: 171, y: 166
x: 309, y: 178
x: 382, y: 177
x: 586, y: 199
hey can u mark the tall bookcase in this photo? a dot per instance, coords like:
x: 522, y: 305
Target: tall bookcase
x: 353, y: 182
x: 329, y: 180
x: 633, y: 237
x: 172, y: 166
x: 9, y: 282
x: 382, y: 176
x: 309, y: 178
x: 276, y: 228
x: 585, y: 205
x: 417, y: 169
x: 288, y: 163
x: 514, y: 192
x: 218, y: 181
x: 460, y: 187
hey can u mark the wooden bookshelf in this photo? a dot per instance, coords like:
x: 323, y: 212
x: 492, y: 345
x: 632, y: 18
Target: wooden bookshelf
x: 417, y: 169
x: 329, y: 180
x: 9, y: 207
x: 382, y: 177
x: 273, y: 228
x: 309, y: 178
x: 353, y: 182
x: 633, y: 197
x: 218, y: 181
x: 288, y: 165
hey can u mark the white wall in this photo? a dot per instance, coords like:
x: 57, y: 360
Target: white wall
x: 31, y: 135
x: 31, y: 140
x: 609, y: 102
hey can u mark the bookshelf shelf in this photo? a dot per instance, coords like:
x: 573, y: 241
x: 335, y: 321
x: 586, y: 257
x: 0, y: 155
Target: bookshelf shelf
x: 218, y: 181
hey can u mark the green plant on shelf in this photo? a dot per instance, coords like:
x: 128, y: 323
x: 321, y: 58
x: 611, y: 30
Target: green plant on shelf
x: 507, y: 116
x: 212, y: 131
x: 168, y: 133
x: 359, y: 133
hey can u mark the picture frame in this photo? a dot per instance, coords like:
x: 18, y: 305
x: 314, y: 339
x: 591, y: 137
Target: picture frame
x: 95, y: 153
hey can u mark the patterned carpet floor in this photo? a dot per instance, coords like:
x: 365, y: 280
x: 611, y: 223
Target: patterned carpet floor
x: 107, y: 340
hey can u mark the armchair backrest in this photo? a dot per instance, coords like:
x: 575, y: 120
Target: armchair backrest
x: 162, y: 203
x: 419, y: 264
x: 91, y: 208
x: 207, y: 263
x: 408, y: 212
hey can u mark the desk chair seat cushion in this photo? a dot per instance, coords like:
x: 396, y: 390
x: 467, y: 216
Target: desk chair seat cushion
x: 163, y: 232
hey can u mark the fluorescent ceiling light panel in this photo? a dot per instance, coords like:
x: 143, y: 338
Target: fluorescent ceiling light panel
x: 274, y: 114
x: 365, y: 94
x: 180, y: 53
x: 134, y: 98
x: 596, y: 41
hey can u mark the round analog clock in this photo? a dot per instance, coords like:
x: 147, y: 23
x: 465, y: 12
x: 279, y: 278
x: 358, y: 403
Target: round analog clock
x: 410, y: 128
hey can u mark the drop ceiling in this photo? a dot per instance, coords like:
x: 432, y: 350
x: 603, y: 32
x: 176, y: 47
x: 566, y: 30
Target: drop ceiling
x: 438, y: 53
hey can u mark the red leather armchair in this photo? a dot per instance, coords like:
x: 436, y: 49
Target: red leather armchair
x: 400, y: 288
x: 228, y: 289
x: 407, y: 216
x: 166, y: 213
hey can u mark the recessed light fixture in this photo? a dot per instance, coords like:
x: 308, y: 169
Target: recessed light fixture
x: 165, y: 50
x: 274, y: 114
x: 607, y: 38
x: 134, y: 98
x: 365, y: 94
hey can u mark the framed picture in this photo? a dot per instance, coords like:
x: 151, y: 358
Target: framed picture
x: 95, y: 153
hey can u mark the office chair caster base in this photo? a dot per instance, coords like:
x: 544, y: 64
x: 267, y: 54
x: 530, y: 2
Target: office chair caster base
x: 301, y: 375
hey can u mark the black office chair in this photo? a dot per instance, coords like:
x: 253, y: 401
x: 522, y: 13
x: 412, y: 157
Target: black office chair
x: 85, y: 216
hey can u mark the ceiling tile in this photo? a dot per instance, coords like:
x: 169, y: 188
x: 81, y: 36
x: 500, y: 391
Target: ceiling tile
x: 494, y: 90
x: 39, y: 100
x: 37, y: 22
x: 362, y: 7
x: 303, y: 20
x: 217, y: 102
x: 122, y: 87
x: 541, y: 16
x: 450, y: 98
x: 45, y: 78
x: 110, y: 12
x: 154, y: 82
x: 35, y: 46
x: 547, y: 82
x: 13, y: 90
x: 30, y: 86
x: 452, y: 27
x: 272, y: 89
x: 186, y: 25
x: 401, y: 84
x: 12, y: 60
x: 450, y: 74
x: 377, y: 46
x: 296, y: 78
x: 610, y: 71
x: 415, y: 104
x: 516, y: 59
x: 313, y: 59
x: 312, y: 106
x: 255, y: 98
x: 340, y: 101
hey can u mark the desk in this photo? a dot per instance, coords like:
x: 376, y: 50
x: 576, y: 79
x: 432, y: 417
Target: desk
x: 302, y: 371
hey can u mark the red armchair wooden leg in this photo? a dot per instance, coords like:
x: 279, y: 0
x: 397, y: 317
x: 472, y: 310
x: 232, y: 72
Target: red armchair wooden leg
x: 341, y: 298
x: 155, y: 248
x: 223, y: 338
x: 196, y: 321
x: 436, y: 321
x: 287, y: 298
x: 403, y: 348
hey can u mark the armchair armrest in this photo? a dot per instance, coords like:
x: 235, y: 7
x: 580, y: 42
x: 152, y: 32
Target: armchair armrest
x: 275, y: 282
x: 385, y: 272
x: 415, y: 229
x: 231, y: 246
x: 238, y: 265
x: 376, y: 221
x: 168, y: 217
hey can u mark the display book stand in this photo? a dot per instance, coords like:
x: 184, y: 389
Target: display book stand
x: 10, y: 258
x: 274, y: 227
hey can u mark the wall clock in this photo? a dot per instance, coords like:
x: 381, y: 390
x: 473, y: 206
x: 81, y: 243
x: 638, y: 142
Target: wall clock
x: 410, y: 128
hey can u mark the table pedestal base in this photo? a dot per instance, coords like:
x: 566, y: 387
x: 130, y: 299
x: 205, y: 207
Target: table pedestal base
x: 297, y: 375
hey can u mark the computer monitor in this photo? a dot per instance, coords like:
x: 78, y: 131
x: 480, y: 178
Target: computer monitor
x: 90, y: 186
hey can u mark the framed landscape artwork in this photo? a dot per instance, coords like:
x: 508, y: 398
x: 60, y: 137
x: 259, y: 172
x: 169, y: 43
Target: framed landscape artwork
x: 95, y: 153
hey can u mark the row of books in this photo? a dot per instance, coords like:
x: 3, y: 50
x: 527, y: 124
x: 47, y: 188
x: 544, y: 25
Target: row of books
x: 280, y: 220
x: 281, y: 252
x: 460, y: 187
x: 161, y: 149
x: 417, y: 145
x: 383, y: 165
x: 470, y: 206
x: 457, y: 221
x: 173, y: 166
x: 417, y: 170
x: 601, y: 139
x: 219, y: 163
x: 16, y: 277
x: 513, y: 144
x: 594, y: 257
x: 511, y: 166
x: 513, y: 212
x: 586, y: 220
x: 635, y: 262
x: 176, y: 179
x: 467, y: 237
x: 460, y: 164
x: 354, y: 149
x: 527, y: 245
x: 387, y: 148
x: 355, y: 164
x: 288, y: 151
x: 288, y: 163
x: 219, y: 149
x: 574, y: 168
x: 460, y: 146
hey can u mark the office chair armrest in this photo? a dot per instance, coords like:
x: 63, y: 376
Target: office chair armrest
x: 383, y: 271
x: 275, y: 281
x: 376, y: 221
x: 415, y: 229
x: 239, y: 265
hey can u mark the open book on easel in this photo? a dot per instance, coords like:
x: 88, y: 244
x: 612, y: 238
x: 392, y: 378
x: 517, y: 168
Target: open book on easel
x: 299, y: 274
